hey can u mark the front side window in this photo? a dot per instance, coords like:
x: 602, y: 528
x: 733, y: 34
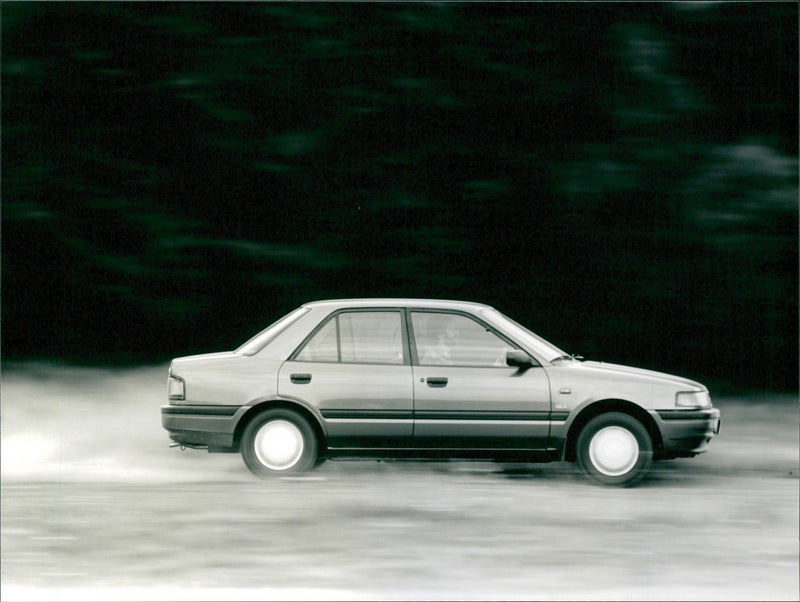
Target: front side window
x: 368, y: 337
x: 455, y: 340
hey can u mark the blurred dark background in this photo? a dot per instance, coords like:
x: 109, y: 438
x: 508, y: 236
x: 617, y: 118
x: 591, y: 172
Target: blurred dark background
x: 621, y: 178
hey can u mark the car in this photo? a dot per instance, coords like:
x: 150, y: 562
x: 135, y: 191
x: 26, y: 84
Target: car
x: 413, y: 378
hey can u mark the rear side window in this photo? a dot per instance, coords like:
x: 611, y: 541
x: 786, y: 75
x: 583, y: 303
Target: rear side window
x: 263, y: 338
x: 323, y: 346
x: 364, y: 337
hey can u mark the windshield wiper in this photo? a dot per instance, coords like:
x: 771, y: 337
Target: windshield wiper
x: 571, y: 357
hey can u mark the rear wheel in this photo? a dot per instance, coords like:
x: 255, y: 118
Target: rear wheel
x: 278, y: 442
x: 615, y: 449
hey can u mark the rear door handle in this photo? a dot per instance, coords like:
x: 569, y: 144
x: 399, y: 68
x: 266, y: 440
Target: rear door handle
x: 301, y: 379
x: 437, y: 381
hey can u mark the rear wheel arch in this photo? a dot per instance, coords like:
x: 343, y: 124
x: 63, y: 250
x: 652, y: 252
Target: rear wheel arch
x: 602, y: 407
x: 300, y: 409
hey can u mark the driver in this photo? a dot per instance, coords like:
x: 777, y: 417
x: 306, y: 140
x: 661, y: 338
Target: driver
x: 438, y: 354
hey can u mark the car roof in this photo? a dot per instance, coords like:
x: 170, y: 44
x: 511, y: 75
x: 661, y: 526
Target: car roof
x: 417, y: 303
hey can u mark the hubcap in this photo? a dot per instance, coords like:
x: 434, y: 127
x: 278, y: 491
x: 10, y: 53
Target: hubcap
x: 614, y: 451
x: 279, y: 444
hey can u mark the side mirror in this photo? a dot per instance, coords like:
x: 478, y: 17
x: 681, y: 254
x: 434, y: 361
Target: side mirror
x: 518, y: 359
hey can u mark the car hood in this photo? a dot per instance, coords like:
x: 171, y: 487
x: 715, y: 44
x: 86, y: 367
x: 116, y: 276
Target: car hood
x: 640, y: 373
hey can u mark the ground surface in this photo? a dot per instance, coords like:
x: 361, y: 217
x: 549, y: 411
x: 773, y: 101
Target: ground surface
x: 95, y: 506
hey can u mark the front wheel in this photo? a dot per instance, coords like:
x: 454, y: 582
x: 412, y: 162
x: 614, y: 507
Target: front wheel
x: 615, y: 449
x: 278, y: 442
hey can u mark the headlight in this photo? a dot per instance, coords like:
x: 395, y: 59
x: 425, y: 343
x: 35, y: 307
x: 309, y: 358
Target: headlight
x: 176, y: 388
x: 693, y: 400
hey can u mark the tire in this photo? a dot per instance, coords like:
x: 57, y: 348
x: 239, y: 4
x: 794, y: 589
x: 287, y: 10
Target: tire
x: 278, y: 442
x: 615, y: 449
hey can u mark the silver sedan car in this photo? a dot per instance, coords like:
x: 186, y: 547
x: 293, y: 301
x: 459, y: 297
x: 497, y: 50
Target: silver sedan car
x: 409, y: 378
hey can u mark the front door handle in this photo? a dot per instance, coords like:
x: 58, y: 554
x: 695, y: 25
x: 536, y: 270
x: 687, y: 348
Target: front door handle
x: 437, y: 381
x: 301, y: 379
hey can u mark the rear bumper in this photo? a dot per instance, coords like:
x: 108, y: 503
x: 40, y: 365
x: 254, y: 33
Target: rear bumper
x: 204, y: 425
x: 687, y: 432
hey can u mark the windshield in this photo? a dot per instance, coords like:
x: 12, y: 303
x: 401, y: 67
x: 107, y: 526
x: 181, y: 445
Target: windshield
x: 258, y: 342
x: 522, y: 335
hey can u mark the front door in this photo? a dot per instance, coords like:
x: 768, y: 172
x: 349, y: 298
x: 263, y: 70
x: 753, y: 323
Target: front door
x: 466, y: 396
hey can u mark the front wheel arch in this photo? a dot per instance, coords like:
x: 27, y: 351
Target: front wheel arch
x: 602, y: 407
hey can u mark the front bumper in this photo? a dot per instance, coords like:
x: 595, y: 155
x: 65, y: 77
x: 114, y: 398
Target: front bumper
x: 687, y: 432
x: 203, y: 425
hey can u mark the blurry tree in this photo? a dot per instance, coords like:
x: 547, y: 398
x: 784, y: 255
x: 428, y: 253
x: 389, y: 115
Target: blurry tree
x: 622, y: 178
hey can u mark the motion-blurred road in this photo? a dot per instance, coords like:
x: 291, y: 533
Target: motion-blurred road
x: 95, y: 506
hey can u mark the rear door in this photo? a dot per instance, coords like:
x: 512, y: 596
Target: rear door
x: 355, y: 369
x: 465, y: 394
